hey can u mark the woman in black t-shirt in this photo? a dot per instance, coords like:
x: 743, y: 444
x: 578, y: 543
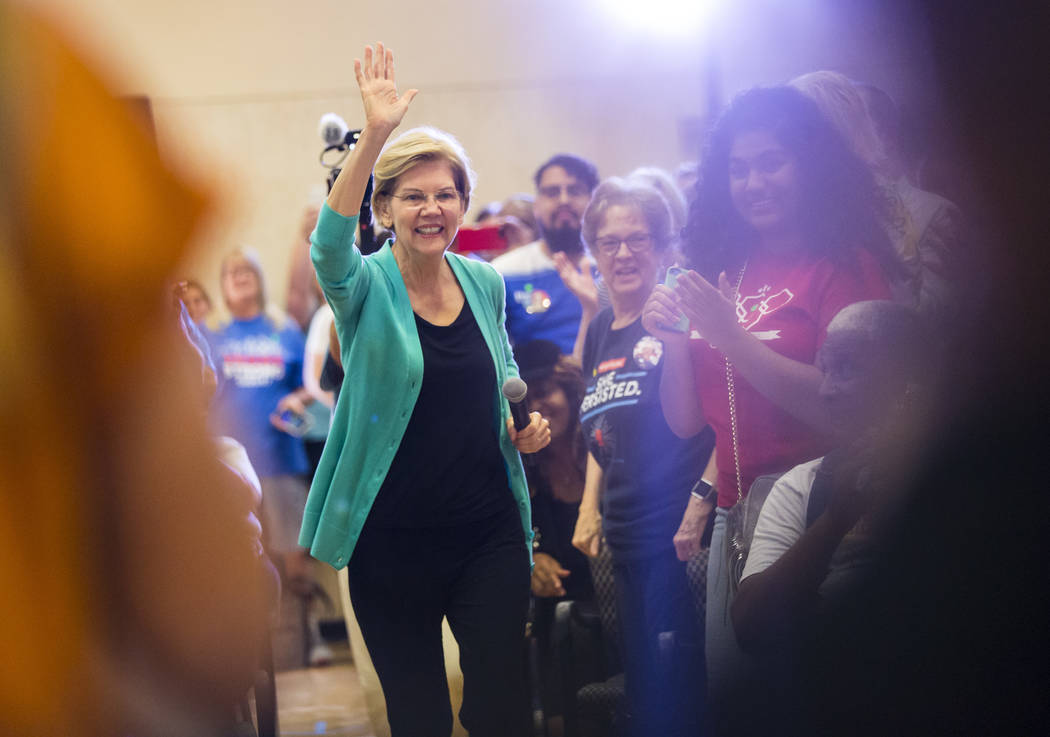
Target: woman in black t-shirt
x: 639, y: 473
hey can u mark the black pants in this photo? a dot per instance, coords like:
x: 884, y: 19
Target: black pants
x: 403, y: 581
x: 663, y: 694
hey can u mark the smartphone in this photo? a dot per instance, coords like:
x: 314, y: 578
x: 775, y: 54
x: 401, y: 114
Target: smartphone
x: 296, y: 424
x: 486, y: 238
x: 670, y: 279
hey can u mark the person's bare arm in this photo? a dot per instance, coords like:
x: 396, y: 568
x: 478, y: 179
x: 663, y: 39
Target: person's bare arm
x: 694, y: 521
x: 770, y: 604
x: 678, y: 398
x: 588, y: 533
x: 789, y: 384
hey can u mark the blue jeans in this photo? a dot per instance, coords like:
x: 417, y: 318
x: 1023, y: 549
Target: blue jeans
x: 724, y: 657
x: 652, y: 596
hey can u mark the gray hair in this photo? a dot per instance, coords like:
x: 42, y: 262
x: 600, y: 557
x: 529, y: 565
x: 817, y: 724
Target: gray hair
x: 628, y: 193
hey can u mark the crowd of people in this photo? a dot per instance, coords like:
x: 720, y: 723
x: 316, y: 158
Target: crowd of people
x: 757, y: 373
x: 777, y: 316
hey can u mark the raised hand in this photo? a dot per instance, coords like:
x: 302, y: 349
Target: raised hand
x: 579, y: 282
x: 384, y: 107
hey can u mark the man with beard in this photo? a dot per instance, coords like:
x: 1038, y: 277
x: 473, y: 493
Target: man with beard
x: 546, y: 279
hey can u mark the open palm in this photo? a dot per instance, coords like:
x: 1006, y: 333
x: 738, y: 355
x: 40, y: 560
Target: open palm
x: 579, y: 281
x: 384, y: 108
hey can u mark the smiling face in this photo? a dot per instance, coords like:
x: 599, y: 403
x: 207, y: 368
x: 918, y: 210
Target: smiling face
x: 241, y: 288
x: 629, y: 275
x: 763, y: 182
x: 422, y: 209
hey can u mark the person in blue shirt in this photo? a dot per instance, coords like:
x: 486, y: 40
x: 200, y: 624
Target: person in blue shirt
x: 549, y: 282
x: 260, y: 402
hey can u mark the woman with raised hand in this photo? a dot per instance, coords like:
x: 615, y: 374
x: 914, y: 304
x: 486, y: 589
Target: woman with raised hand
x: 420, y: 490
x: 784, y: 232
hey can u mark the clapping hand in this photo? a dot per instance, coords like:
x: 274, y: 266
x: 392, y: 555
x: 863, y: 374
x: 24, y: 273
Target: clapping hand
x: 384, y: 108
x: 578, y: 281
x: 661, y: 310
x: 710, y: 309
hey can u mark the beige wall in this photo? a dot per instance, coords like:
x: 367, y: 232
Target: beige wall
x: 238, y: 87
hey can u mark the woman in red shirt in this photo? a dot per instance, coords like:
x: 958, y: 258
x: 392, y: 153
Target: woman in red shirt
x: 784, y: 233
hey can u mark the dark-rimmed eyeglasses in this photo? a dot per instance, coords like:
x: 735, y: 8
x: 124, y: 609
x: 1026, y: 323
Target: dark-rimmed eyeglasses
x: 636, y: 243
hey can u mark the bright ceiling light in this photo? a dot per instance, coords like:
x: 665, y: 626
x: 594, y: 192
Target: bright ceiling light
x: 670, y: 17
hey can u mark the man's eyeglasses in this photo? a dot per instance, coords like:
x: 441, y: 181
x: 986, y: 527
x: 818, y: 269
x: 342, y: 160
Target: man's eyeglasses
x: 637, y: 243
x: 553, y: 191
x: 415, y: 198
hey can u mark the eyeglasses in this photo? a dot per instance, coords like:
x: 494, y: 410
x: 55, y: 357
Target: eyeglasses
x: 416, y: 199
x: 636, y: 242
x: 553, y: 191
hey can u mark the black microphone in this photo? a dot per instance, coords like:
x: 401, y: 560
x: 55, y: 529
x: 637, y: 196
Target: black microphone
x: 514, y: 389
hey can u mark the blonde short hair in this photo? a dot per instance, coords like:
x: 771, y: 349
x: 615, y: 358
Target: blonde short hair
x: 411, y: 148
x: 251, y: 258
x: 843, y: 106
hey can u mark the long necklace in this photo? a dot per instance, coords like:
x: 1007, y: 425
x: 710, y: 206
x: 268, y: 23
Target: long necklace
x: 731, y: 386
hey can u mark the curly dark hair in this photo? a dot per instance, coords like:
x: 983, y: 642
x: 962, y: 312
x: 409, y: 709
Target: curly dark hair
x: 839, y: 206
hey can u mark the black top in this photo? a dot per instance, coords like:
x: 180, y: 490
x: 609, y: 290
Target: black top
x: 448, y: 469
x: 648, y: 469
x: 554, y: 522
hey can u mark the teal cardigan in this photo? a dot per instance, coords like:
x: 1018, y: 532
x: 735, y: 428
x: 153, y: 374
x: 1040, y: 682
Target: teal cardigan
x: 383, y: 363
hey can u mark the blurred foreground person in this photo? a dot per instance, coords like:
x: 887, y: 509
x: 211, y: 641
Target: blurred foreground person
x: 420, y: 491
x: 133, y: 603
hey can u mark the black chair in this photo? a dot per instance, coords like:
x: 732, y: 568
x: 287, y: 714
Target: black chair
x: 586, y: 638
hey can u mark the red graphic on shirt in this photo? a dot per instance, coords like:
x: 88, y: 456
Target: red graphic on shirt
x: 752, y: 308
x: 611, y: 365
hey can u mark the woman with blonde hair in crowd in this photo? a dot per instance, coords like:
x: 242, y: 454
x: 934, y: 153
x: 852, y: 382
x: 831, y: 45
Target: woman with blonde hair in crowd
x: 261, y: 402
x: 420, y: 491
